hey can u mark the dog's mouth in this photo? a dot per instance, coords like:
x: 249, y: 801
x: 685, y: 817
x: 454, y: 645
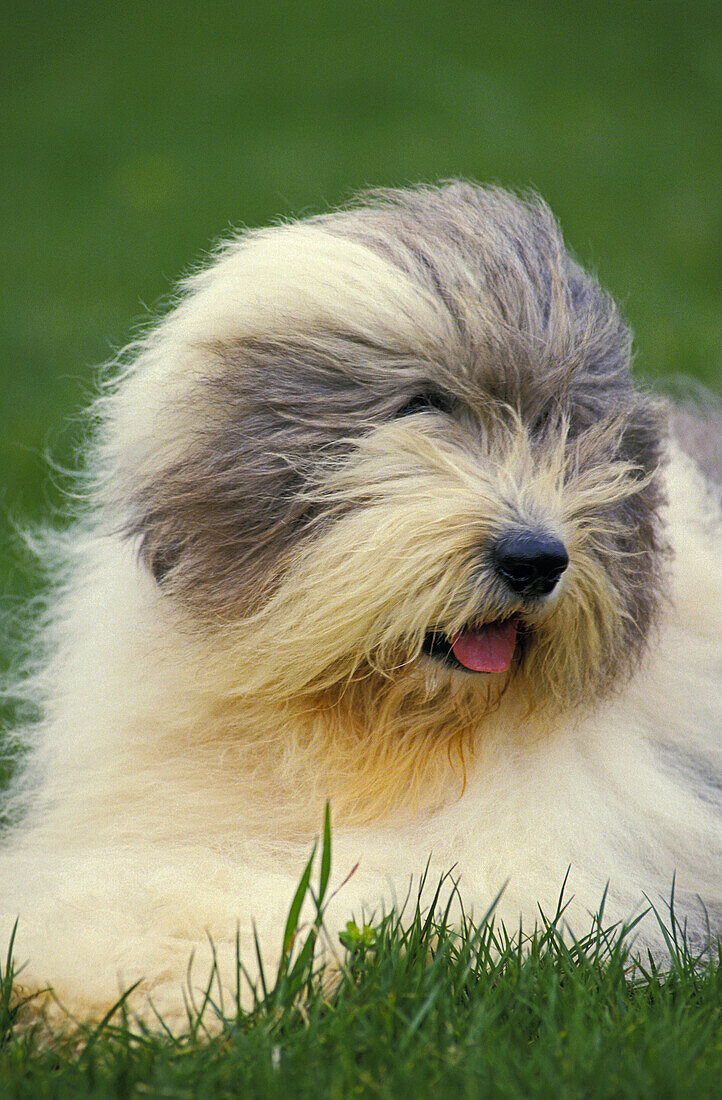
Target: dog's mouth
x: 487, y: 648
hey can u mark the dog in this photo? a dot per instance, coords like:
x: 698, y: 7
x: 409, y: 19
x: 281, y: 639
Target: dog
x: 375, y: 517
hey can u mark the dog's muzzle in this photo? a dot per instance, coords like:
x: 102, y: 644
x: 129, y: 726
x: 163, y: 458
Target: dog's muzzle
x: 529, y: 563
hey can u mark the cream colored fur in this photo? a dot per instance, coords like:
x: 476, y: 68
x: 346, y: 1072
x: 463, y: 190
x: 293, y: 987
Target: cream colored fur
x: 179, y: 772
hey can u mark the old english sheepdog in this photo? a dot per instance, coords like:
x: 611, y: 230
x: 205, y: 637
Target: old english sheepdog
x: 376, y: 516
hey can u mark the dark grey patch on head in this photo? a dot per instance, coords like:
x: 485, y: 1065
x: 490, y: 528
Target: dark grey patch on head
x: 217, y: 527
x: 535, y: 330
x: 534, y: 333
x: 634, y: 558
x: 626, y: 536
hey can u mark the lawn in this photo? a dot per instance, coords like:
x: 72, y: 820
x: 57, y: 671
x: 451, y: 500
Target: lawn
x: 133, y: 136
x: 421, y: 1009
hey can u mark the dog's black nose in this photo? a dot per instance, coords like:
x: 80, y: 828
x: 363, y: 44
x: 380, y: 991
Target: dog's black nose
x: 530, y: 563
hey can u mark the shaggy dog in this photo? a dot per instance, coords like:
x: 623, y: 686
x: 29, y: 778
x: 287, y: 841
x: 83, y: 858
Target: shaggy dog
x: 377, y: 516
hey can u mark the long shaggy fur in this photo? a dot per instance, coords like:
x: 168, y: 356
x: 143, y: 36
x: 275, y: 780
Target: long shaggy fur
x: 297, y: 487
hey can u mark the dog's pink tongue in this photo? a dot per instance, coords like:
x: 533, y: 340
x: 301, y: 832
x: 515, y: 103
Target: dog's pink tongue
x: 488, y: 649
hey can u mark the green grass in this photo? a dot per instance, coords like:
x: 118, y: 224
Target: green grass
x: 422, y: 1008
x: 133, y: 135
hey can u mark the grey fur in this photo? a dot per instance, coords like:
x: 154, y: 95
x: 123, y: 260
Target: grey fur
x: 700, y: 435
x: 534, y: 333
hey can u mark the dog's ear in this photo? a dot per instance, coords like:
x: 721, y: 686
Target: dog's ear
x: 214, y: 526
x: 213, y: 530
x: 214, y: 523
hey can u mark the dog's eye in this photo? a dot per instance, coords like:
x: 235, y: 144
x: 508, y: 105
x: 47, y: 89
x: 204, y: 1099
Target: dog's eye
x: 426, y: 400
x: 544, y: 420
x: 540, y: 421
x: 161, y: 563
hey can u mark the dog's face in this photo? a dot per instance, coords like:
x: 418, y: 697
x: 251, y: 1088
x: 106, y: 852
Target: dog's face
x: 426, y: 468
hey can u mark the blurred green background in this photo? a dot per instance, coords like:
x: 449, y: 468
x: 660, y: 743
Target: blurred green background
x: 133, y: 135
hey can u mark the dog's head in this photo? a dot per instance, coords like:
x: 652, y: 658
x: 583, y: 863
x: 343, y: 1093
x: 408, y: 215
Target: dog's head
x: 399, y: 445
